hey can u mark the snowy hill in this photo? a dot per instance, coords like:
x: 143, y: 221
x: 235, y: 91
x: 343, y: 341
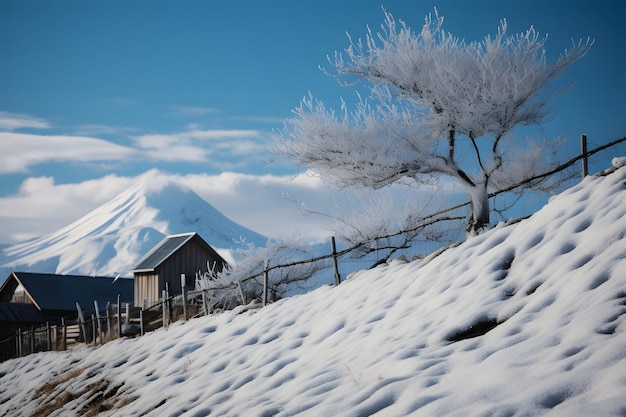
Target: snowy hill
x: 527, y: 319
x: 112, y: 238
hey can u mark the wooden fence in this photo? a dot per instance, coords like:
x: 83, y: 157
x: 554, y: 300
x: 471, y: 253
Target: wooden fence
x: 40, y: 338
x: 117, y: 321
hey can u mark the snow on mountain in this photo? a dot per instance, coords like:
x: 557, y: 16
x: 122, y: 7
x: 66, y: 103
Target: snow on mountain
x: 528, y: 319
x: 112, y: 238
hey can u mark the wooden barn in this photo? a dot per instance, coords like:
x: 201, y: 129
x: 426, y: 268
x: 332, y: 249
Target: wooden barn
x: 30, y: 298
x: 161, y: 268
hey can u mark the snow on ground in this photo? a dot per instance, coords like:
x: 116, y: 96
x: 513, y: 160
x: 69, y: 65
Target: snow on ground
x: 392, y: 341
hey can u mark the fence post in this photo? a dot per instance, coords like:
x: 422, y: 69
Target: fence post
x: 184, y: 290
x: 141, y: 322
x: 82, y: 322
x: 164, y: 308
x: 108, y: 321
x: 64, y: 334
x: 97, y: 320
x: 119, y: 316
x: 583, y: 142
x: 48, y: 337
x: 266, y: 280
x: 95, y: 328
x: 336, y: 267
x: 241, y: 293
x: 19, y: 343
x: 56, y: 333
x: 205, y: 307
x: 32, y: 339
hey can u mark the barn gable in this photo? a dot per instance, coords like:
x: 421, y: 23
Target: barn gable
x: 161, y: 268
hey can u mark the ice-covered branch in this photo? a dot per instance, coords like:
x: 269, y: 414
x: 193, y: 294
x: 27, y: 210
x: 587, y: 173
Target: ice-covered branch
x: 429, y: 90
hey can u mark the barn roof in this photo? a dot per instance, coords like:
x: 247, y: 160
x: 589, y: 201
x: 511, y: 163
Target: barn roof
x: 166, y: 248
x: 62, y: 292
x: 23, y: 313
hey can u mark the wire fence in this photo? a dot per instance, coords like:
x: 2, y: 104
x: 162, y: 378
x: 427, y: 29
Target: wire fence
x: 130, y: 321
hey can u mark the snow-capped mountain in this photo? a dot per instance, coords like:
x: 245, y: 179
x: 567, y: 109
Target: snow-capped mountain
x: 112, y: 238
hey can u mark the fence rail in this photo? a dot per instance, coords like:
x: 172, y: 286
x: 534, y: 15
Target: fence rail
x: 134, y: 321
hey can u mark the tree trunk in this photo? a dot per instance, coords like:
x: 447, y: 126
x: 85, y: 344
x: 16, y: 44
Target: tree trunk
x: 479, y: 202
x: 479, y: 217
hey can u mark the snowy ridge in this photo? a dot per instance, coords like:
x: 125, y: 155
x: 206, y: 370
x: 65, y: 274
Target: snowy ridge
x: 111, y: 238
x: 545, y: 299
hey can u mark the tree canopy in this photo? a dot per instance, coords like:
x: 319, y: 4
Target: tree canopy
x: 430, y: 94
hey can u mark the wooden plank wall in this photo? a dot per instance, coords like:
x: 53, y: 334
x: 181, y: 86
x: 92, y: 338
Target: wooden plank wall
x: 146, y: 287
x: 188, y: 260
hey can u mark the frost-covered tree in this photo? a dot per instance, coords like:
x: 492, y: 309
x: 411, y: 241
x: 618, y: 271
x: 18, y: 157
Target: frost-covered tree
x: 438, y: 106
x: 380, y: 224
x: 279, y: 256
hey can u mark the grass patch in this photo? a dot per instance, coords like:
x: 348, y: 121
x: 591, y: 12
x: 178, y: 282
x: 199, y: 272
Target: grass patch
x: 93, y: 398
x: 106, y: 398
x: 47, y: 388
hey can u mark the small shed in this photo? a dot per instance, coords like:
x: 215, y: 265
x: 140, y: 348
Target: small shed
x: 161, y: 268
x: 30, y: 298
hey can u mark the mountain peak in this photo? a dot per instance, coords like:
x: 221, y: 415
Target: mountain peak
x: 111, y: 238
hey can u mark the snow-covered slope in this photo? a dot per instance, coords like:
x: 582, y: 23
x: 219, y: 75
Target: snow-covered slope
x: 544, y: 299
x: 112, y: 238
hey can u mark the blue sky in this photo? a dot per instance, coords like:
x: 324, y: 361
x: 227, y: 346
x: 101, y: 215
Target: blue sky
x: 95, y: 94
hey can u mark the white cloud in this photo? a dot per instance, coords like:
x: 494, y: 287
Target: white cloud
x: 178, y: 153
x: 41, y: 206
x: 164, y: 141
x: 197, y: 145
x: 19, y: 151
x: 156, y: 142
x: 257, y: 202
x: 14, y: 121
x: 219, y: 134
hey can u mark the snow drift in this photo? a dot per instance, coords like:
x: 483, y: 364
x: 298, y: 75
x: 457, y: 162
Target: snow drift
x: 527, y: 319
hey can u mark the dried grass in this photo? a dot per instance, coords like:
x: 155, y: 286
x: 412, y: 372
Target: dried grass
x: 97, y: 397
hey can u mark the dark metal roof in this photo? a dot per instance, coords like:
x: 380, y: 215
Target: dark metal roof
x: 162, y: 251
x: 62, y: 292
x: 23, y: 313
